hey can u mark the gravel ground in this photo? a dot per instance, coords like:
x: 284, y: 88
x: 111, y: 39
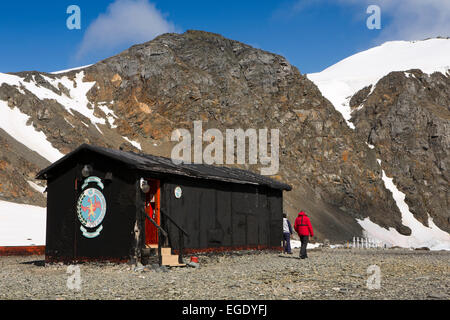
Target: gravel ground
x: 327, y: 274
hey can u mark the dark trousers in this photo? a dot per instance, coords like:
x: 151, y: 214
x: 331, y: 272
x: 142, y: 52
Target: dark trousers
x: 287, y: 242
x: 303, y: 253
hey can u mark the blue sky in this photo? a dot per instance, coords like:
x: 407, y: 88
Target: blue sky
x: 311, y: 34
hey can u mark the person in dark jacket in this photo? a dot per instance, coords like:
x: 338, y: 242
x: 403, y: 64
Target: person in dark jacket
x: 304, y: 229
x: 287, y: 231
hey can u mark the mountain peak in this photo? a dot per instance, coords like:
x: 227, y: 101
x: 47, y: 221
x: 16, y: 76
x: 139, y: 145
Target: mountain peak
x: 344, y: 79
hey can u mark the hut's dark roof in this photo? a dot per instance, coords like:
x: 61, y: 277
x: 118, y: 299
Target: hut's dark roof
x: 150, y: 163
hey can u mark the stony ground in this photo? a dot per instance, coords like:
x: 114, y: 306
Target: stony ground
x: 327, y: 274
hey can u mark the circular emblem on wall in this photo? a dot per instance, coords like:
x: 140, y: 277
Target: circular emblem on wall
x: 178, y: 192
x: 91, y: 210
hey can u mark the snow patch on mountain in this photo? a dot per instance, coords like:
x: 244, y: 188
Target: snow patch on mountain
x: 110, y: 115
x: 14, y: 122
x: 421, y: 236
x: 134, y: 143
x: 77, y: 99
x: 36, y: 187
x: 341, y: 81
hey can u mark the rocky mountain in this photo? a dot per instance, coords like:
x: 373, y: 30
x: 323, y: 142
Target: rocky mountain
x: 136, y: 99
x: 396, y: 97
x: 407, y: 118
x: 341, y: 81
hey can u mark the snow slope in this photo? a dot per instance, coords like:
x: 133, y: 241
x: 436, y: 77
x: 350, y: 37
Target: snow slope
x: 421, y: 236
x: 14, y: 122
x: 341, y: 81
x: 22, y: 225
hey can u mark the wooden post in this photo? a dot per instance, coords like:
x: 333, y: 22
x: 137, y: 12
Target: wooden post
x: 181, y: 245
x: 160, y: 243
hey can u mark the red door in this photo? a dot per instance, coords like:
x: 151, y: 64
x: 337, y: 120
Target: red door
x: 152, y: 208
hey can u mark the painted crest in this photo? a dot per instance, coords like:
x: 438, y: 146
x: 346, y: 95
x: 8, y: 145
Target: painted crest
x: 91, y: 211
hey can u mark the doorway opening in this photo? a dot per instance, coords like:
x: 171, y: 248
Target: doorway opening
x: 152, y: 208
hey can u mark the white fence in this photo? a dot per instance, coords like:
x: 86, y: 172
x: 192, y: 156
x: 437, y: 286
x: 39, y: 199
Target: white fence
x: 367, y: 243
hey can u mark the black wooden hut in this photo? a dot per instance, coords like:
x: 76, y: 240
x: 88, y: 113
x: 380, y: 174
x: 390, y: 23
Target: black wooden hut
x: 105, y: 204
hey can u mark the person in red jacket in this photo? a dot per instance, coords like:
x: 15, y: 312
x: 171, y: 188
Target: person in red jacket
x: 304, y: 229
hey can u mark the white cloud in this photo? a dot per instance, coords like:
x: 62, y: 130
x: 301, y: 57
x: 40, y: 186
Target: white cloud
x: 126, y: 22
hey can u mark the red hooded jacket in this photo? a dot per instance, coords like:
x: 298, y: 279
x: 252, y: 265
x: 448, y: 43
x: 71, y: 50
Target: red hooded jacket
x: 303, y: 226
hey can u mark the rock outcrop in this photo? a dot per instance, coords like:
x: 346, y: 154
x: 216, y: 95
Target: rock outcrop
x: 407, y: 118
